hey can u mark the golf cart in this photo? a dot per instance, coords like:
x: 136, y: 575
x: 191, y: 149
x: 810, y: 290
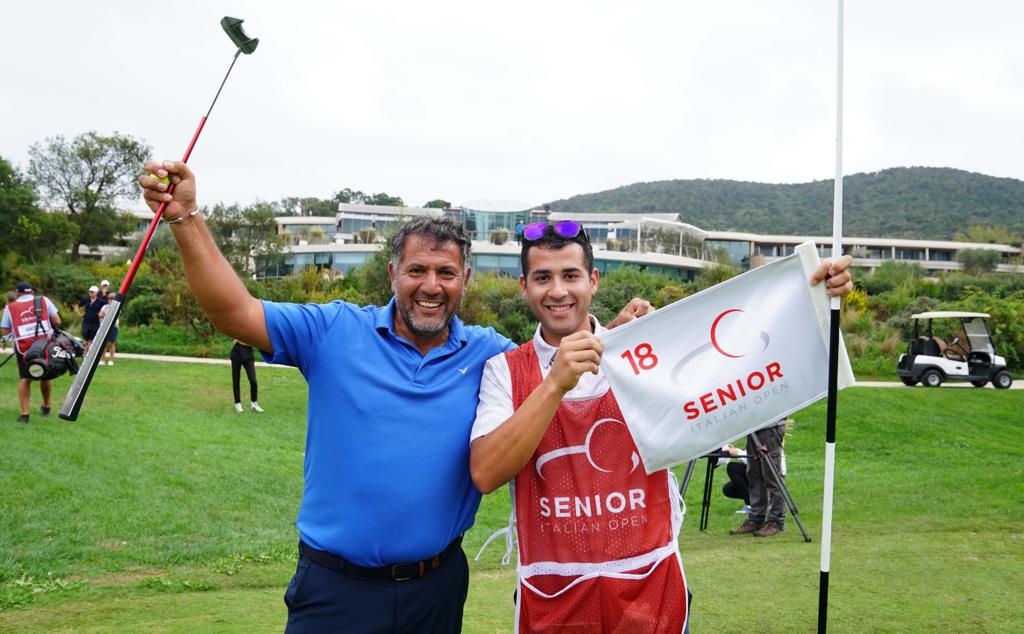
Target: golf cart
x: 969, y: 355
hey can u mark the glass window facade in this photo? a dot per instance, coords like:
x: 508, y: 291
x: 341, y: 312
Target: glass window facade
x: 738, y: 250
x: 480, y: 224
x: 774, y: 250
x: 292, y: 263
x: 606, y: 266
x: 311, y: 234
x: 354, y: 223
x: 909, y: 254
x: 500, y: 264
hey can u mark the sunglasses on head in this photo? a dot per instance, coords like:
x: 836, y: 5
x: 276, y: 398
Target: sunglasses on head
x: 566, y: 229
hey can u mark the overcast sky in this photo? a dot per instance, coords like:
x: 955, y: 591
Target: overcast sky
x: 520, y: 103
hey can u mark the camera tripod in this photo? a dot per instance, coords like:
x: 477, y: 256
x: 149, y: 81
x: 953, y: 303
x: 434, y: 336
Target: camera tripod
x: 763, y: 458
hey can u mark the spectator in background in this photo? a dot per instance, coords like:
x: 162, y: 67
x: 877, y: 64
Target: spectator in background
x: 112, y: 335
x: 89, y: 310
x: 767, y: 514
x: 241, y: 357
x: 26, y: 322
x: 736, y: 467
x: 105, y: 289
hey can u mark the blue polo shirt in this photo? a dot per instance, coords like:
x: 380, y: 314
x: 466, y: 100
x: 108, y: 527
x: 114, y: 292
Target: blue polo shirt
x: 387, y: 440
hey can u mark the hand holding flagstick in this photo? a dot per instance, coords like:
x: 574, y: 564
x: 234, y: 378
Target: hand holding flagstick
x: 838, y: 281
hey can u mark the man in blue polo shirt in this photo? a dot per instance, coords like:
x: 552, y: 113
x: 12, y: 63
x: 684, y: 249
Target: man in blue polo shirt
x: 391, y: 389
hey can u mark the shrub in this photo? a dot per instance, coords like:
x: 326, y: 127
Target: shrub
x: 716, y: 274
x: 621, y: 285
x: 890, y: 340
x: 901, y: 322
x: 142, y: 309
x: 499, y: 236
x: 856, y: 300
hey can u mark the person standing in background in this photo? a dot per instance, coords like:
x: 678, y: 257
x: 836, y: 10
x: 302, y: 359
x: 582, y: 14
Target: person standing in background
x: 241, y: 357
x: 112, y: 335
x: 89, y: 310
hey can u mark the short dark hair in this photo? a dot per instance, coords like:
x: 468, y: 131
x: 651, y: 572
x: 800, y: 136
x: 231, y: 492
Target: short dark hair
x: 553, y: 241
x: 442, y: 230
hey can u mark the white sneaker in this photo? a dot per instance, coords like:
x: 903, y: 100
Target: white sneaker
x: 110, y: 363
x: 256, y: 407
x: 238, y: 407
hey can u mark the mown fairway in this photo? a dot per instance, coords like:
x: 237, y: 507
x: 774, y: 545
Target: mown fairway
x: 163, y: 510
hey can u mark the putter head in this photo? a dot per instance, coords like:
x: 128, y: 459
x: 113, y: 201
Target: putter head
x: 233, y: 27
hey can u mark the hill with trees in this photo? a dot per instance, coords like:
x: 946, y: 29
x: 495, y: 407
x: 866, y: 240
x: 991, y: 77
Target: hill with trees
x: 909, y: 202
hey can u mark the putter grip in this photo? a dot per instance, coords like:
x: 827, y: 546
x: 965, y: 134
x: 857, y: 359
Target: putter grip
x: 73, y: 401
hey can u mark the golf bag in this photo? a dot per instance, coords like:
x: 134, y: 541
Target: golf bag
x: 50, y: 357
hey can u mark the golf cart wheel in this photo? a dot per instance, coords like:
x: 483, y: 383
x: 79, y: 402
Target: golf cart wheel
x: 909, y: 381
x: 931, y: 378
x: 979, y: 383
x: 1002, y: 380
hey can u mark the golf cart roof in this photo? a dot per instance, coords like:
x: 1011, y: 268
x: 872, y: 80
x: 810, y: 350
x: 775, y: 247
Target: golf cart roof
x: 945, y: 314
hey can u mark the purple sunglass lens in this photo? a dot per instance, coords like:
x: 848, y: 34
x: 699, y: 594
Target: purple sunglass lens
x: 567, y: 228
x: 535, y: 231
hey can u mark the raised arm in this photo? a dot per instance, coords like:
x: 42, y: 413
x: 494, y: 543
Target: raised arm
x: 222, y: 296
x: 497, y: 457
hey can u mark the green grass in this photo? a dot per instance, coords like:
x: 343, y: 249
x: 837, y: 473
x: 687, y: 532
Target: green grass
x: 163, y: 510
x: 160, y: 338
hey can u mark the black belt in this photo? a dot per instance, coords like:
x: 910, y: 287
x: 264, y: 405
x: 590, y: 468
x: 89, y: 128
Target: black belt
x: 394, y: 572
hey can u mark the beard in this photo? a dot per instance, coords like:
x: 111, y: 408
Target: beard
x: 426, y: 326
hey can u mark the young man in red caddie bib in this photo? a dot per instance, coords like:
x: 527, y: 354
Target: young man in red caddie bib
x: 597, y: 536
x: 25, y: 325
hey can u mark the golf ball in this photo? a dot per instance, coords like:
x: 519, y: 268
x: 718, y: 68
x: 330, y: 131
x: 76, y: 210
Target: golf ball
x: 164, y: 180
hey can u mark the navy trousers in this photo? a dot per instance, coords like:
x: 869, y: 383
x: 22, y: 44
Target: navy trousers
x: 320, y: 599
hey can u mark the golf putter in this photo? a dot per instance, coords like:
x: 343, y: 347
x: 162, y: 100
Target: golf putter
x: 76, y: 394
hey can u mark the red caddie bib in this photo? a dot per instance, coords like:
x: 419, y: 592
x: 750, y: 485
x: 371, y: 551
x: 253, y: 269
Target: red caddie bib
x: 24, y: 325
x: 597, y: 535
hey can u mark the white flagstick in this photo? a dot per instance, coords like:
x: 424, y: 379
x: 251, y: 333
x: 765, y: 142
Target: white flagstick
x: 833, y: 344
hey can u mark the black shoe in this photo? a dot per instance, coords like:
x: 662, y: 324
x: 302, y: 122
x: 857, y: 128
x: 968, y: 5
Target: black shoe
x: 45, y: 410
x: 23, y: 419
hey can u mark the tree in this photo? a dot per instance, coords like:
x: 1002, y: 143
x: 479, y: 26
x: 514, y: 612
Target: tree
x: 28, y: 231
x: 309, y: 206
x: 88, y: 175
x: 998, y: 234
x: 243, y: 234
x: 349, y: 196
x: 438, y: 203
x: 977, y: 261
x: 357, y: 197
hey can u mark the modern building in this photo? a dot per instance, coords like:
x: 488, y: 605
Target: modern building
x: 654, y: 242
x: 751, y: 250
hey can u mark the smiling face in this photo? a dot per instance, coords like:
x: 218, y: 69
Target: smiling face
x: 428, y: 284
x: 558, y: 288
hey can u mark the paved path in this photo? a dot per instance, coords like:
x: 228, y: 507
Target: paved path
x: 173, y: 359
x: 1018, y: 384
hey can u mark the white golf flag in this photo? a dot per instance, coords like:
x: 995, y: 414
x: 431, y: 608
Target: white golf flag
x: 715, y: 366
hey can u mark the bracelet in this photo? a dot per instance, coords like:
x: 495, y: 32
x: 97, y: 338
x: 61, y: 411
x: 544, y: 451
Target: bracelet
x: 178, y: 221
